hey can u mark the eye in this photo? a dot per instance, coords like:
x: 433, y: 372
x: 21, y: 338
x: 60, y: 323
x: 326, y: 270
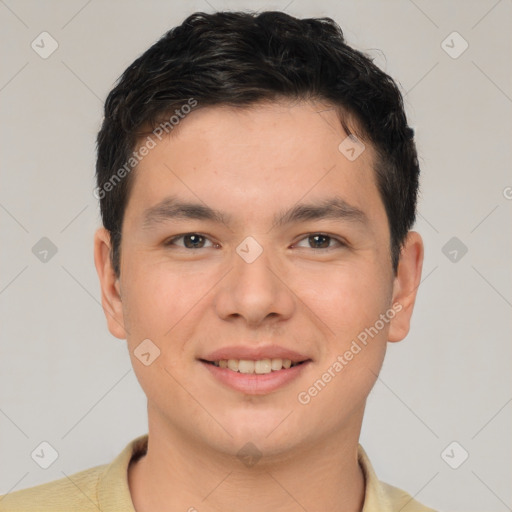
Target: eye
x: 322, y: 241
x: 190, y: 241
x: 197, y: 241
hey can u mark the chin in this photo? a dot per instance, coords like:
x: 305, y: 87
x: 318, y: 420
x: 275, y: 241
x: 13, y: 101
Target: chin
x: 270, y: 429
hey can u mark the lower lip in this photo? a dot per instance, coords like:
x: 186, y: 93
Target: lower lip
x: 253, y: 383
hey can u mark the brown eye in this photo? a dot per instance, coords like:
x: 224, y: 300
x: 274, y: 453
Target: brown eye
x: 322, y: 241
x: 319, y: 241
x: 190, y: 241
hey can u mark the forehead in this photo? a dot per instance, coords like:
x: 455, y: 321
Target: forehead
x: 290, y: 131
x: 267, y: 155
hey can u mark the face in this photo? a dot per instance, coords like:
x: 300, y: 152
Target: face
x: 251, y: 277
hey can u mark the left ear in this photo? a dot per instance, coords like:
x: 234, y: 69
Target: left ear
x: 406, y: 285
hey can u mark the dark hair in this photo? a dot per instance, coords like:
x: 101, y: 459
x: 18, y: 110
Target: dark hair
x: 239, y: 59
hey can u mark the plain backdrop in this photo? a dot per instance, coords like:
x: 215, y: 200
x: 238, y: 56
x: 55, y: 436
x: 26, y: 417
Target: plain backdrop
x: 65, y: 380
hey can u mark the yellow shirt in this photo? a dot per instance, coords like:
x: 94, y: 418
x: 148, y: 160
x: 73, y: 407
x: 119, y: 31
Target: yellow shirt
x: 105, y: 488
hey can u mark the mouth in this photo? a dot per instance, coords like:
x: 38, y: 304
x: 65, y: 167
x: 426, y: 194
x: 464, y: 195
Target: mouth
x: 259, y: 371
x: 258, y: 367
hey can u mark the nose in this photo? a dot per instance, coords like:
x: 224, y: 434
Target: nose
x: 255, y: 291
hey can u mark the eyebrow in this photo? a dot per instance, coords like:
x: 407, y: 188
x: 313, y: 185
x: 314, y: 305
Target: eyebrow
x: 171, y: 208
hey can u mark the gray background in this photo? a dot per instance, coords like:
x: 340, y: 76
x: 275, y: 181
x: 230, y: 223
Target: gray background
x: 67, y: 381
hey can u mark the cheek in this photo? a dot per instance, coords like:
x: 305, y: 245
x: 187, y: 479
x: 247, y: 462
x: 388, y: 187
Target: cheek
x: 347, y: 300
x: 158, y: 295
x: 351, y: 307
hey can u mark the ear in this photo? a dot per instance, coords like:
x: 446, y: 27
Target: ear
x: 110, y: 287
x: 406, y: 285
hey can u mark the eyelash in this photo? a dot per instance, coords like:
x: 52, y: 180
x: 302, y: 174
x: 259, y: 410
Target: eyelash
x: 341, y: 243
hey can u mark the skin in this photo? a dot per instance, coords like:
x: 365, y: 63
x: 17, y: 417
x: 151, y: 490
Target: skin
x: 251, y: 164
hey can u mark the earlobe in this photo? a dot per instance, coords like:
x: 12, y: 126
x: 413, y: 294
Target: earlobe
x: 405, y: 286
x: 109, y: 283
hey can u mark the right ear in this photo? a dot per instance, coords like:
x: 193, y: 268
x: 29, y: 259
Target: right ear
x: 110, y: 286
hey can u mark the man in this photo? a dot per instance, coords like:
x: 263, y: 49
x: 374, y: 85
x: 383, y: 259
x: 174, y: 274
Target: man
x: 257, y: 182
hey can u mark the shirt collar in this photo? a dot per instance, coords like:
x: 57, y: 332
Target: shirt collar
x: 375, y: 499
x: 114, y: 492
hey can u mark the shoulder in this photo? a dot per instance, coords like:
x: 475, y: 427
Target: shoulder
x: 74, y: 492
x: 103, y: 487
x: 383, y: 497
x: 401, y: 500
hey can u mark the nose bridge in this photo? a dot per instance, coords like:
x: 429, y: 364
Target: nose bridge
x: 253, y: 289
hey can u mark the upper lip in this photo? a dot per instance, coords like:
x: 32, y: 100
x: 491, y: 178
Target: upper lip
x: 255, y: 353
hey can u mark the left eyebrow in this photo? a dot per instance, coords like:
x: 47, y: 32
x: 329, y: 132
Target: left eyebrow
x: 332, y: 208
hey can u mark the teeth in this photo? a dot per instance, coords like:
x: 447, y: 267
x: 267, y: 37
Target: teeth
x: 276, y: 364
x: 245, y: 366
x: 261, y: 366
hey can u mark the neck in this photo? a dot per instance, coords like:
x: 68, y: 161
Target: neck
x: 179, y: 474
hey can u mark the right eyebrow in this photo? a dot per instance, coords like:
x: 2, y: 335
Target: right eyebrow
x: 172, y: 208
